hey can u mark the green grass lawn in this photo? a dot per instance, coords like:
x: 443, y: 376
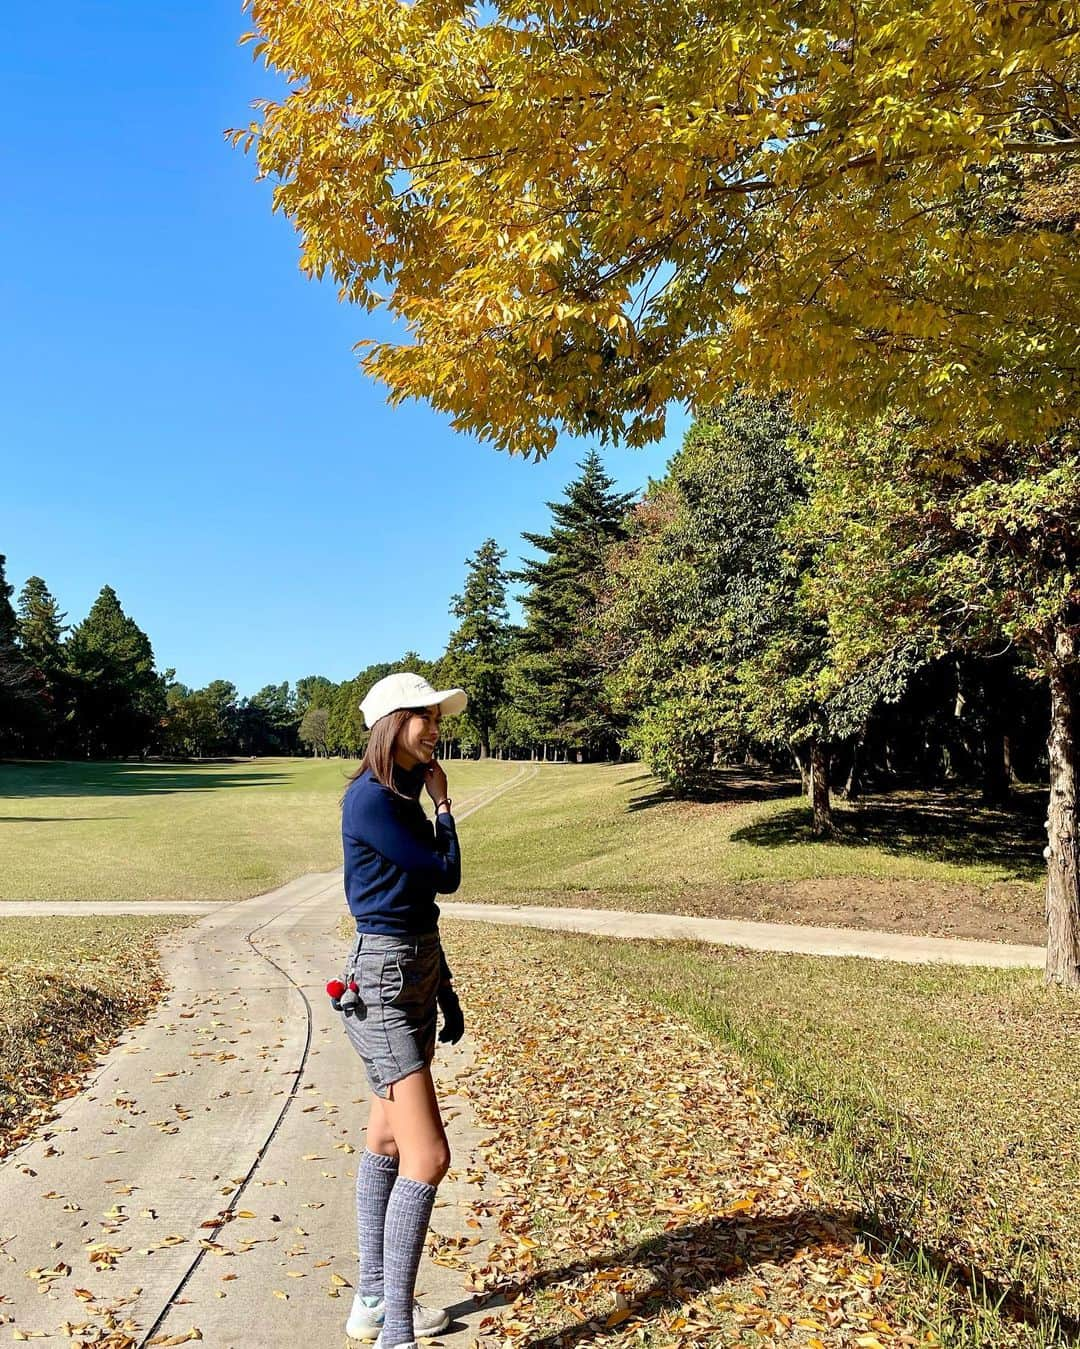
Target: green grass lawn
x: 610, y: 831
x: 179, y: 831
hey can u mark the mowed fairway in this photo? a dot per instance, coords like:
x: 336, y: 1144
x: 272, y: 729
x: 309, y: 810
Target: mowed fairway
x: 605, y: 834
x: 180, y: 831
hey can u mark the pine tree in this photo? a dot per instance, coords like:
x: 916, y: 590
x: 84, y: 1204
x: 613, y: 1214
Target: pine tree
x: 41, y: 625
x: 119, y: 698
x: 19, y: 688
x: 558, y: 678
x: 41, y: 628
x: 477, y: 651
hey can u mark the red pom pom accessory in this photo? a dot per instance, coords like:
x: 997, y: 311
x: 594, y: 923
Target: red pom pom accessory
x: 335, y: 988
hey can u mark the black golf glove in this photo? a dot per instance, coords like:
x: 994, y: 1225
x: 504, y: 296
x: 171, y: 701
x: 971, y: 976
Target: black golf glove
x: 453, y: 1020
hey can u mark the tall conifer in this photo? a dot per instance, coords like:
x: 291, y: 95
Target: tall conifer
x: 477, y: 651
x: 119, y: 698
x: 558, y: 681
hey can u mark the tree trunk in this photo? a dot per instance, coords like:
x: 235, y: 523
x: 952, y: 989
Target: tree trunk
x: 819, y: 787
x: 804, y: 771
x: 485, y: 749
x: 997, y: 691
x: 853, y: 784
x: 1063, y: 851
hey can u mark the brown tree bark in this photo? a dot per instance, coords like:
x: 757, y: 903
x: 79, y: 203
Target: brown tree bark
x: 853, y: 786
x: 1063, y: 850
x: 820, y: 755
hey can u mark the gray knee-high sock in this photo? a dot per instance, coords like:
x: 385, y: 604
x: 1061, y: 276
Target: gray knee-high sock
x: 407, y: 1216
x: 375, y: 1176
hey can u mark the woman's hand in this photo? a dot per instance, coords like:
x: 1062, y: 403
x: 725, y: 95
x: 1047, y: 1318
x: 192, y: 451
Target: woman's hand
x: 435, y: 781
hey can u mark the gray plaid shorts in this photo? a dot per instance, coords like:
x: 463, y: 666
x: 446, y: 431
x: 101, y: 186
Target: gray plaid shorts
x: 393, y: 1025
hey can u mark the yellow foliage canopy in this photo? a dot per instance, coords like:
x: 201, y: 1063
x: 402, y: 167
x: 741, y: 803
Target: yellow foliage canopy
x: 584, y: 211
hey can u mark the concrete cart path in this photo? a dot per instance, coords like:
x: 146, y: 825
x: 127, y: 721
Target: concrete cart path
x: 205, y: 1176
x: 791, y: 937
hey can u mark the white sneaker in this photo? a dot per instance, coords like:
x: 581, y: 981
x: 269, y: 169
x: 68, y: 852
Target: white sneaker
x: 367, y: 1314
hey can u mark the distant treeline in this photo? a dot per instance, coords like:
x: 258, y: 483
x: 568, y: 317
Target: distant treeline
x: 690, y: 625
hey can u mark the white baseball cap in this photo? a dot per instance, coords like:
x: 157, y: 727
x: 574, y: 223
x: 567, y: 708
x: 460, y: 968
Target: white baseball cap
x: 408, y: 690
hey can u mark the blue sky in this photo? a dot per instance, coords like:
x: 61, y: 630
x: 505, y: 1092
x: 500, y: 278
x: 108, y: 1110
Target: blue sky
x: 184, y: 418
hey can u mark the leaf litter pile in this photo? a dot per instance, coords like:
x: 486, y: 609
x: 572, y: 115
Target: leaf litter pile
x: 66, y: 994
x: 648, y: 1193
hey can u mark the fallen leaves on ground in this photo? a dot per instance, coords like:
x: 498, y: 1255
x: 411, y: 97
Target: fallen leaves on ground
x: 648, y: 1191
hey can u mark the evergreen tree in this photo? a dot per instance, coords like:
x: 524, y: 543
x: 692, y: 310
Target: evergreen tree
x: 709, y: 647
x: 313, y: 691
x: 19, y: 689
x: 476, y: 653
x: 559, y: 681
x: 119, y: 699
x: 268, y: 722
x: 41, y: 625
x: 313, y: 729
x: 41, y: 629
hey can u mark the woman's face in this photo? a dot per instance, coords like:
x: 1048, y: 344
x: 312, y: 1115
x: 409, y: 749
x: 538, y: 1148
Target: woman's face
x: 418, y: 737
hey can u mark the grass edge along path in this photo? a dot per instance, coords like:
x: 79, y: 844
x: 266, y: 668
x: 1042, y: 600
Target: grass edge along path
x: 928, y: 1119
x: 649, y: 1195
x: 69, y: 988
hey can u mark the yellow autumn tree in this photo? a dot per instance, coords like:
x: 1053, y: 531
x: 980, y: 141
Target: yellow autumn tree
x: 588, y: 209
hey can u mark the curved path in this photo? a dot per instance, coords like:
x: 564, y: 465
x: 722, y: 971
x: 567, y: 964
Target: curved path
x: 791, y: 937
x: 204, y: 1176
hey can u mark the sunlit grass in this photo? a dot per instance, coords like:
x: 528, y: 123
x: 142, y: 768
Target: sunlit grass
x: 179, y: 831
x: 606, y: 834
x: 944, y: 1101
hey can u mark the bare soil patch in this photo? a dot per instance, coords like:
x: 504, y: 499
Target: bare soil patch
x: 1007, y: 912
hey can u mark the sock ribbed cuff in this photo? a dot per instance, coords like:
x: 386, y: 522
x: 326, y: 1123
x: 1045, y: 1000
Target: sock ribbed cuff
x: 379, y: 1160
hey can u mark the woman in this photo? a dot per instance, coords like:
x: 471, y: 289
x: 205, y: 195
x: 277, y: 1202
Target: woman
x: 395, y: 864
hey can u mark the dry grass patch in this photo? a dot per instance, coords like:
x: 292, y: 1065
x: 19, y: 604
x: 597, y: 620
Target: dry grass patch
x: 651, y: 1194
x: 68, y: 988
x: 943, y: 1102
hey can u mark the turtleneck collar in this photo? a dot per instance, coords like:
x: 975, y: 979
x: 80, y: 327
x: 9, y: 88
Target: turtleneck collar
x: 409, y: 780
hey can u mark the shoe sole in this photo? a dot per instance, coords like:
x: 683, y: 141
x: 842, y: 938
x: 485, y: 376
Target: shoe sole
x: 366, y: 1336
x: 435, y: 1330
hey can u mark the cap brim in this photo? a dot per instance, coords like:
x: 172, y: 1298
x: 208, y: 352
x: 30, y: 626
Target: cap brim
x: 452, y: 701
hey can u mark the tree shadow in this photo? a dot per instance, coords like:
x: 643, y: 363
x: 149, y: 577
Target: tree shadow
x: 731, y: 786
x: 691, y: 1260
x: 24, y: 780
x: 955, y: 827
x: 55, y: 819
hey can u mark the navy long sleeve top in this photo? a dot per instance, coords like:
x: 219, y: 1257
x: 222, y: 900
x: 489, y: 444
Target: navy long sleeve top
x: 395, y: 860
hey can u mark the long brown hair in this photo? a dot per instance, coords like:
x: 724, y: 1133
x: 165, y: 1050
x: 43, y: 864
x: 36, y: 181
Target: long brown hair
x: 379, y: 753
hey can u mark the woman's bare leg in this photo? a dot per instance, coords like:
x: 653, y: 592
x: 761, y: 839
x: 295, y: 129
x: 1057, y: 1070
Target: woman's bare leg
x: 416, y: 1129
x: 379, y: 1137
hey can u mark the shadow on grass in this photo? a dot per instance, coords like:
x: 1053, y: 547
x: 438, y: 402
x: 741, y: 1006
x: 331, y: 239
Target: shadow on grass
x: 55, y: 819
x: 133, y: 779
x: 954, y: 827
x: 732, y: 786
x: 693, y: 1259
